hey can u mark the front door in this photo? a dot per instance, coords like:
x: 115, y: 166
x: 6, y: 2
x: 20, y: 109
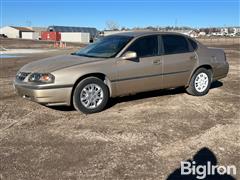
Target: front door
x: 143, y: 73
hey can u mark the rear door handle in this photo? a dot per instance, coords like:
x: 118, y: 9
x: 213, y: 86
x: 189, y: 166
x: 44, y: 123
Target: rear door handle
x: 157, y: 62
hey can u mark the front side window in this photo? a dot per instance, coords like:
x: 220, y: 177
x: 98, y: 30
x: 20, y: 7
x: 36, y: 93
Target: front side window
x: 105, y: 48
x: 145, y: 46
x: 174, y: 44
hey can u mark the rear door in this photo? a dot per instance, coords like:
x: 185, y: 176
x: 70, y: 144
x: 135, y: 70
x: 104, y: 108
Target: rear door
x: 178, y: 60
x: 143, y: 73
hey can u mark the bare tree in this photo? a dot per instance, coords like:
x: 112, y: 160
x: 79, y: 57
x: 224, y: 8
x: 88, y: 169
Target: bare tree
x: 112, y: 25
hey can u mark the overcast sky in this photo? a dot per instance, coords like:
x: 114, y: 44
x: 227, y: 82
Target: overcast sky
x: 127, y: 13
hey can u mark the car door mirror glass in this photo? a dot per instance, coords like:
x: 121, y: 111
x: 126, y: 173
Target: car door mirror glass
x: 129, y: 55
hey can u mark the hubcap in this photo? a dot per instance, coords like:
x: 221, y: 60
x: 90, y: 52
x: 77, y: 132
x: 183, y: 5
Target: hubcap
x: 91, y: 96
x: 201, y: 82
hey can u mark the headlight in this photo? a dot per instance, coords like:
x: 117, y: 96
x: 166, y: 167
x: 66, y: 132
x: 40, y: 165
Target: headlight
x: 41, y: 77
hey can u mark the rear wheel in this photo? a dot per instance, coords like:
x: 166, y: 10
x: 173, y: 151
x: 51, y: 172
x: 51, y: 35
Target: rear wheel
x: 200, y: 82
x: 90, y: 95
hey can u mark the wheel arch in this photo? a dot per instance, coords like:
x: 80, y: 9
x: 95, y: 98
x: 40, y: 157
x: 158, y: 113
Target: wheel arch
x: 99, y: 75
x: 206, y: 66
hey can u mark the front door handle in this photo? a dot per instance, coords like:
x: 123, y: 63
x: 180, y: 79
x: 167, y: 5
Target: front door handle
x: 157, y: 62
x: 193, y: 57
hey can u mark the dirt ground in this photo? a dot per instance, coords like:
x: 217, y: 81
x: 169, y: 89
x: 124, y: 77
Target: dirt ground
x: 27, y: 43
x: 144, y: 136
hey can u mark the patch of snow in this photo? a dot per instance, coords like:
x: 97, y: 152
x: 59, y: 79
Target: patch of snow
x: 24, y: 51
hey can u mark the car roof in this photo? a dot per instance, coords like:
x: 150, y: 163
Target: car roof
x: 144, y: 33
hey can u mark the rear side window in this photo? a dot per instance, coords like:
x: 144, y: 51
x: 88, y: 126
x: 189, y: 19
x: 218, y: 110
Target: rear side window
x: 193, y: 44
x: 174, y: 44
x: 145, y: 46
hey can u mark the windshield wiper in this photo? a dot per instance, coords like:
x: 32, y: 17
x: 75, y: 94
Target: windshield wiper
x: 84, y: 55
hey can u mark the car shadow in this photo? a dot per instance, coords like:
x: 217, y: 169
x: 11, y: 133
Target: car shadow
x: 151, y: 94
x: 216, y: 84
x: 203, y: 157
x: 62, y: 108
x: 144, y: 95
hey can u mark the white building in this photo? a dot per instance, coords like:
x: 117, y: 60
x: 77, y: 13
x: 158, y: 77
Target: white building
x: 236, y: 30
x: 30, y: 35
x: 224, y: 31
x: 78, y: 37
x: 202, y: 33
x: 15, y: 32
x: 217, y: 34
x: 192, y: 33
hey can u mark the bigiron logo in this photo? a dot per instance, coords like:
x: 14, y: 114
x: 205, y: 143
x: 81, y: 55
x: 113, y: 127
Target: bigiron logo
x: 202, y: 171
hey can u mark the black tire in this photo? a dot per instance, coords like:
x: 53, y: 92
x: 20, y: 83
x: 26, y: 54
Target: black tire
x: 78, y: 105
x: 191, y: 89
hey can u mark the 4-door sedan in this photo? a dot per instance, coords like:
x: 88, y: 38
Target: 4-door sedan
x: 122, y: 64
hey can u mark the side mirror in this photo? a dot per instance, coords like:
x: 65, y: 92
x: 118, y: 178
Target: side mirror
x: 129, y: 55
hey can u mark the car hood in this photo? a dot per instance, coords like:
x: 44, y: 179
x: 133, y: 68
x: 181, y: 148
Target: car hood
x: 55, y: 63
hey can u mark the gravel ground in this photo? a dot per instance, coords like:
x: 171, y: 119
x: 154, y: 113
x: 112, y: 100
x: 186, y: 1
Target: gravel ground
x: 144, y: 136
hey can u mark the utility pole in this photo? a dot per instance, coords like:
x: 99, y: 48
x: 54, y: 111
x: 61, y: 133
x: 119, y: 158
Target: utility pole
x: 176, y: 22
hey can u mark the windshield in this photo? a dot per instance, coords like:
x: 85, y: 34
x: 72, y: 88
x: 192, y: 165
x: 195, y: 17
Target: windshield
x: 105, y: 47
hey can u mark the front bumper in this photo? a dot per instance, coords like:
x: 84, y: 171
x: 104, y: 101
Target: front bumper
x: 50, y: 96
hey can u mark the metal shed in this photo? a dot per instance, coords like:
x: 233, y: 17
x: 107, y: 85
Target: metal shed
x: 79, y: 37
x: 30, y: 35
x: 92, y: 31
x: 14, y: 31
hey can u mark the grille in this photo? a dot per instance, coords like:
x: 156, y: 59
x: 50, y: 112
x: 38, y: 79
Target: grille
x: 21, y: 76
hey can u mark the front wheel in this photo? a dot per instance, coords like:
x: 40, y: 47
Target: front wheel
x: 200, y: 82
x: 90, y: 95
